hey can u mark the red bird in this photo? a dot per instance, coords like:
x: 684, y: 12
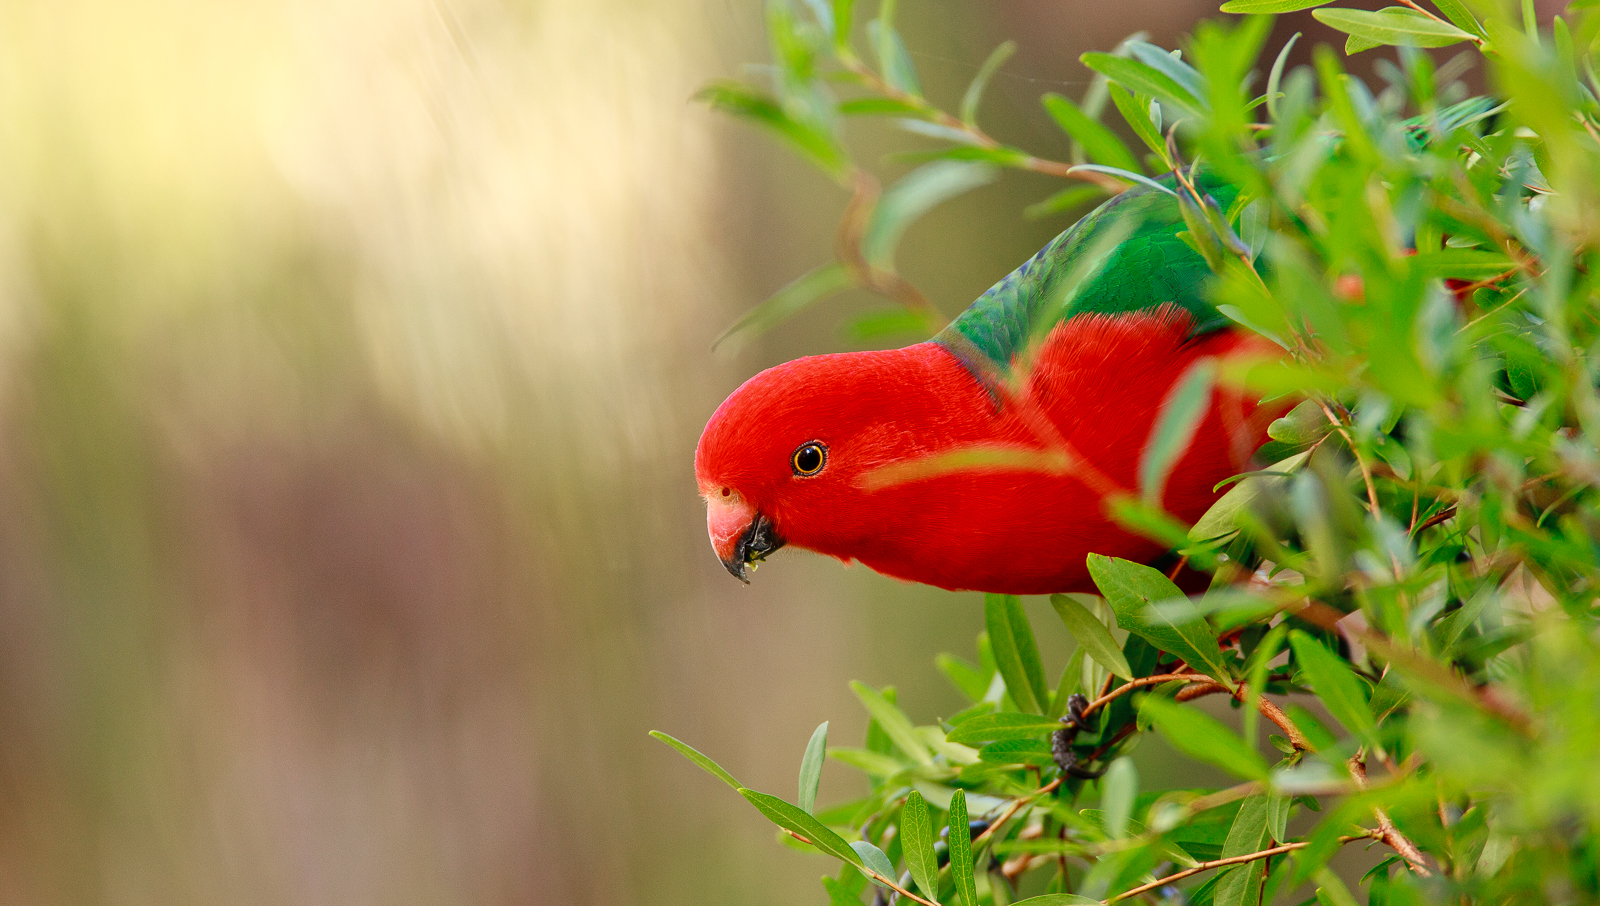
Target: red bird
x: 969, y: 462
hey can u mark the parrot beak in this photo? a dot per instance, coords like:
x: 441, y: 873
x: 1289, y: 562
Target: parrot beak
x: 739, y: 534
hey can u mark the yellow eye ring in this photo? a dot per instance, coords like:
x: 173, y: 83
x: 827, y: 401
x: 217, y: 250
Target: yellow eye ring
x: 809, y: 458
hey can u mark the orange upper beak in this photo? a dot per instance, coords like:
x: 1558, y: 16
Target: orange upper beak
x: 739, y: 533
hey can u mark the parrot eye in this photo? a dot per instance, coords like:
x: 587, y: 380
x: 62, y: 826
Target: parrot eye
x: 809, y: 458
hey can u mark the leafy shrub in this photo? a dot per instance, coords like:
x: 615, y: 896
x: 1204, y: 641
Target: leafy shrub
x: 1421, y: 559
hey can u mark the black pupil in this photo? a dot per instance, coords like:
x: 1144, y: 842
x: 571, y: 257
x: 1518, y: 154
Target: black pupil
x: 808, y: 458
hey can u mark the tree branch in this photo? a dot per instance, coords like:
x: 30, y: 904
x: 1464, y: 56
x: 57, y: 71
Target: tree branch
x: 1387, y: 832
x: 1221, y: 863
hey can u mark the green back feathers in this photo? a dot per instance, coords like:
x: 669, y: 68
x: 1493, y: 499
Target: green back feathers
x: 1147, y: 267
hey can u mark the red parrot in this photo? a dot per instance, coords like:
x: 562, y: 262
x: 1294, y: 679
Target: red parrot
x: 982, y: 458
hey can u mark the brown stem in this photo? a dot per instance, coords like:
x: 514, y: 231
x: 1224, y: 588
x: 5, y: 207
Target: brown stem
x: 1387, y: 832
x: 887, y: 882
x: 1220, y: 863
x: 981, y: 138
x: 1268, y: 710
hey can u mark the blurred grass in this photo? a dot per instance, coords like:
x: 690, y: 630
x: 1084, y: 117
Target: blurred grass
x: 352, y: 356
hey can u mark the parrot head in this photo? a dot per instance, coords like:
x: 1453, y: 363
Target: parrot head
x: 786, y: 458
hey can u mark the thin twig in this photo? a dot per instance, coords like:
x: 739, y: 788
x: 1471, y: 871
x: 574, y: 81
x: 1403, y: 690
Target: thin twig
x: 1220, y: 863
x: 887, y: 882
x: 1268, y: 710
x: 1387, y: 832
x: 876, y: 82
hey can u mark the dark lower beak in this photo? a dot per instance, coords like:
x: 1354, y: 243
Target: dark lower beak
x: 759, y: 540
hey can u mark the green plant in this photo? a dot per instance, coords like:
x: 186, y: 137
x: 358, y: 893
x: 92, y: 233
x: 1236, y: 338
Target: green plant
x: 1421, y: 557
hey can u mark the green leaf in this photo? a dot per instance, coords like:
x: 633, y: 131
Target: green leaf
x: 893, y: 58
x: 969, y: 102
x: 868, y: 761
x: 1165, y: 62
x: 884, y: 322
x: 1058, y: 899
x: 748, y: 103
x: 1092, y: 635
x: 790, y: 301
x: 1064, y: 200
x: 1099, y: 142
x: 1275, y: 77
x: 706, y: 764
x: 1142, y: 78
x: 838, y: 894
x: 916, y: 843
x: 811, y: 767
x: 1202, y: 736
x: 1118, y: 788
x: 1128, y: 175
x: 1392, y: 25
x: 1131, y: 588
x: 913, y: 196
x: 973, y: 682
x: 1018, y: 751
x: 1015, y: 653
x: 1336, y: 684
x: 793, y: 819
x: 1220, y: 519
x: 879, y: 107
x: 1269, y: 7
x: 893, y: 721
x: 1248, y: 833
x: 1003, y: 725
x: 843, y: 19
x: 961, y: 850
x: 1135, y: 109
x: 1457, y: 12
x: 1181, y: 412
x: 874, y: 859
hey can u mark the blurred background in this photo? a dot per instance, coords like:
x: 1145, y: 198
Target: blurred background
x: 352, y: 357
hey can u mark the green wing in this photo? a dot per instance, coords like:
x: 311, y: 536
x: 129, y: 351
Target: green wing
x: 1148, y: 267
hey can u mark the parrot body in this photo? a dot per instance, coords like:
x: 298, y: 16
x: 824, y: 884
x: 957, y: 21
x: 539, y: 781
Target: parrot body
x: 982, y: 458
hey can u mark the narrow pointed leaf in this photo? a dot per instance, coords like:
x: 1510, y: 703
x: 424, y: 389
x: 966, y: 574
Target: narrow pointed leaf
x: 1164, y: 62
x: 1202, y: 736
x: 748, y: 103
x: 1135, y: 110
x: 1119, y: 787
x: 791, y: 818
x: 1393, y: 25
x: 1128, y: 175
x: 1142, y: 78
x: 843, y: 18
x: 911, y: 197
x: 916, y: 843
x: 969, y: 102
x: 1092, y: 635
x: 1004, y: 725
x: 1015, y: 652
x: 1269, y: 7
x: 1180, y: 415
x: 811, y: 767
x: 893, y: 721
x: 1336, y: 685
x: 1058, y: 899
x: 874, y: 859
x: 1131, y: 588
x: 1099, y: 142
x: 705, y: 764
x: 790, y: 301
x: 961, y: 851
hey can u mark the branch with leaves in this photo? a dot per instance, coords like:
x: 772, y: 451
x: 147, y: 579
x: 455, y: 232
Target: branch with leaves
x: 1415, y: 554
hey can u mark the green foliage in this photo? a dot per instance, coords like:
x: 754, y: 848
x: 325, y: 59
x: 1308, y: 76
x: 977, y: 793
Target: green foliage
x: 1418, y: 552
